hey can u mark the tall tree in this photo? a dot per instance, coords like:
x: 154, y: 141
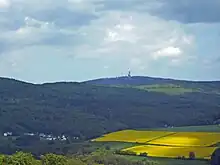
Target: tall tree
x: 215, y: 160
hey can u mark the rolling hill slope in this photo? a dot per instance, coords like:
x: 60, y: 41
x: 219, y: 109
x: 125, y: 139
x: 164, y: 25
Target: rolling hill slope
x: 88, y: 110
x: 159, y: 84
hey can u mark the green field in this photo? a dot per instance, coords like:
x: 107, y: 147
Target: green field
x: 113, y: 145
x: 167, y: 161
x: 168, y: 89
x: 206, y: 128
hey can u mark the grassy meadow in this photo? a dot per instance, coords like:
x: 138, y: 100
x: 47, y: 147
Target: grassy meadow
x: 167, y: 88
x: 206, y: 128
x: 167, y: 161
x: 170, y: 89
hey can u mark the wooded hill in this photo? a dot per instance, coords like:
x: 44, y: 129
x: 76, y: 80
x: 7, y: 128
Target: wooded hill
x: 92, y: 108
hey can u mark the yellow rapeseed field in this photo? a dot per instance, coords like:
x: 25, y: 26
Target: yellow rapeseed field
x: 166, y: 144
x: 167, y: 138
x: 188, y: 139
x: 132, y: 136
x: 172, y: 152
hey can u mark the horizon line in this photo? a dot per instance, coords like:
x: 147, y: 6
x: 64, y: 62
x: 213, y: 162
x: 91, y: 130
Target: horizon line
x: 100, y: 78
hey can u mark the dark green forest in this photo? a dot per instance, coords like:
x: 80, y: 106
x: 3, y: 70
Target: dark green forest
x: 89, y: 109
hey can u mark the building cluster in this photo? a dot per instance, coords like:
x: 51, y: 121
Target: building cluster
x: 42, y: 136
x: 51, y: 137
x: 7, y: 134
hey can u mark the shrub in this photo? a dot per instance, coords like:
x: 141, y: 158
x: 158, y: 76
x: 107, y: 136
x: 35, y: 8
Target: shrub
x: 107, y: 147
x: 52, y: 159
x: 125, y: 152
x: 20, y: 158
x: 181, y: 157
x: 178, y: 157
x: 192, y: 155
x: 2, y: 158
x: 215, y: 158
x: 144, y: 154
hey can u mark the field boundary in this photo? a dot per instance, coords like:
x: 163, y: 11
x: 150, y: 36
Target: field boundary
x: 173, y: 133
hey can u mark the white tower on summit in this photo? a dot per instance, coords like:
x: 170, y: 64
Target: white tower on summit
x: 129, y: 73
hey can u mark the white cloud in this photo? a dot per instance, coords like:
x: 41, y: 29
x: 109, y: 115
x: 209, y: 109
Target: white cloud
x: 4, y: 4
x: 38, y: 6
x: 168, y: 52
x: 121, y: 35
x: 114, y: 33
x: 137, y: 40
x: 34, y: 32
x: 136, y: 37
x: 85, y: 5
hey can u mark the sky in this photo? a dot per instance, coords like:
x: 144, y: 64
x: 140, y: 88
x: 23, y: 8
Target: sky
x: 77, y: 40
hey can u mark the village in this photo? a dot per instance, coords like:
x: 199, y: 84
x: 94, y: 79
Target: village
x: 42, y: 136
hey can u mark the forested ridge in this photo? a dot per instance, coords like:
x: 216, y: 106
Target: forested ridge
x: 86, y: 110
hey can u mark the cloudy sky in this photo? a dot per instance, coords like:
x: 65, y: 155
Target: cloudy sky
x: 75, y: 40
